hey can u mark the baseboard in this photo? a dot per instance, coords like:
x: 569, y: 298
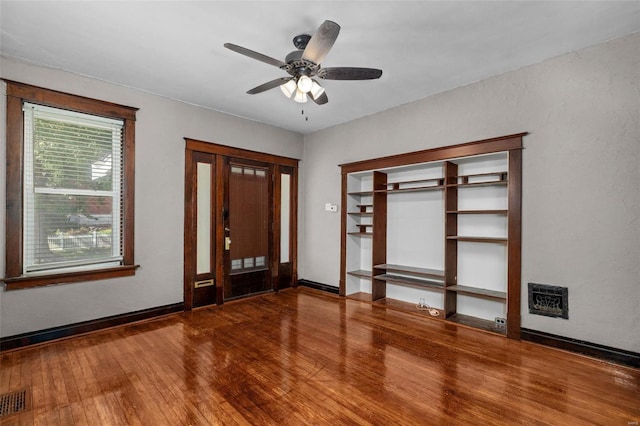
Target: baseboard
x: 319, y: 286
x: 41, y: 336
x: 606, y: 353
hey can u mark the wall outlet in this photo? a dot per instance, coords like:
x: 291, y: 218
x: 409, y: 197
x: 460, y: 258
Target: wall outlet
x: 501, y: 322
x: 331, y: 207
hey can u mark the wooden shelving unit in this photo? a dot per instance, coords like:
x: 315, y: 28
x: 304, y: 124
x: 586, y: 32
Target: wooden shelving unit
x: 479, y: 179
x: 478, y: 292
x: 461, y: 171
x: 478, y: 239
x: 413, y: 186
x: 498, y: 212
x: 426, y: 272
x: 411, y: 275
x: 418, y: 282
x: 363, y: 212
x: 361, y: 273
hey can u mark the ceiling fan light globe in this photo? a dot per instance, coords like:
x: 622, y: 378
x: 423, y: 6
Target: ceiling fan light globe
x: 301, y: 97
x: 305, y: 84
x: 289, y: 88
x: 316, y: 90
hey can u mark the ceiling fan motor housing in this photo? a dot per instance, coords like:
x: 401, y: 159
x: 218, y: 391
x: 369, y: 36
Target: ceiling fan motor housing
x: 296, y: 66
x: 301, y: 41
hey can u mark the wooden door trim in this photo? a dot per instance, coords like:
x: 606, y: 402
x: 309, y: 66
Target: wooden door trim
x: 294, y: 227
x: 485, y: 146
x: 230, y: 151
x: 222, y: 202
x: 514, y: 230
x: 189, y: 226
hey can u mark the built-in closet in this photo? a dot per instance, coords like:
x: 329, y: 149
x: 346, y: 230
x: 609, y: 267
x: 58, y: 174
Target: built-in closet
x: 437, y: 232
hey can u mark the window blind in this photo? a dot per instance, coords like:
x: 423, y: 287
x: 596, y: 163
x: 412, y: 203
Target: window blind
x: 73, y: 191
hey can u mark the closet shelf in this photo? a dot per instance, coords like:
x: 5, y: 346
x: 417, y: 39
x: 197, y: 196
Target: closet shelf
x: 480, y: 178
x: 360, y: 233
x: 410, y: 186
x: 361, y: 213
x: 478, y: 239
x: 396, y: 185
x: 418, y: 282
x: 431, y: 273
x: 411, y: 189
x: 478, y: 292
x: 501, y: 212
x: 362, y: 273
x: 360, y: 193
x: 489, y: 183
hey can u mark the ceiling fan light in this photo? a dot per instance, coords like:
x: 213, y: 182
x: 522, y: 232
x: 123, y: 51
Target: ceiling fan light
x: 316, y: 89
x: 304, y: 84
x: 288, y: 88
x: 300, y: 97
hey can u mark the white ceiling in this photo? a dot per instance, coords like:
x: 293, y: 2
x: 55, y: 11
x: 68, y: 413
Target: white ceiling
x: 175, y: 49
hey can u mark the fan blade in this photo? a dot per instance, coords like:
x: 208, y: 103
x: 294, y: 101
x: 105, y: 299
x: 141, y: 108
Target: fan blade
x: 349, y: 73
x: 255, y: 55
x: 321, y: 42
x: 270, y: 85
x: 321, y: 100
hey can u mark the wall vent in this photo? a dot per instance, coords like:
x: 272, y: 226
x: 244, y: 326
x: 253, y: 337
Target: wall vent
x: 13, y: 402
x: 549, y: 300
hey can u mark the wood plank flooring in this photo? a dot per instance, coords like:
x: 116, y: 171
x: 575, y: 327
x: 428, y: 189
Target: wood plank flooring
x: 304, y: 357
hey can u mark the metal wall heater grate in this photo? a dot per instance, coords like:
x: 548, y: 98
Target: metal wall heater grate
x: 549, y: 300
x: 13, y: 402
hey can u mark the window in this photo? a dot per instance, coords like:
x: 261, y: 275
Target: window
x: 69, y: 188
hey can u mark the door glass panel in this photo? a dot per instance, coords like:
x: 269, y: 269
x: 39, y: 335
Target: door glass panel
x: 249, y: 219
x: 203, y: 213
x: 285, y: 213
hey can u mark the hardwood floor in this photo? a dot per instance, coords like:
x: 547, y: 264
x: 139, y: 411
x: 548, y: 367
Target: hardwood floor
x: 305, y: 357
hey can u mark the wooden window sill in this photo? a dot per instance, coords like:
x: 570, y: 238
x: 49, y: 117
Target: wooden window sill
x: 70, y: 277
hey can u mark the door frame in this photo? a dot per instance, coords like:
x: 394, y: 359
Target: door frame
x: 280, y: 165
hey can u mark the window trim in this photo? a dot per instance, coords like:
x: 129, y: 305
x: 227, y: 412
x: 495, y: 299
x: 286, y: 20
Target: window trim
x: 17, y: 94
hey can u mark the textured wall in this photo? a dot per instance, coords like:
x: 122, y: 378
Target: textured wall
x: 159, y: 210
x: 581, y: 201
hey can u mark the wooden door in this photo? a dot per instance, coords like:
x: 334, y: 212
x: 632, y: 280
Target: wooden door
x: 248, y: 228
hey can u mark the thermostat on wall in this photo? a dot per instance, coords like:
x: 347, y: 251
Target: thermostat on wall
x: 331, y: 207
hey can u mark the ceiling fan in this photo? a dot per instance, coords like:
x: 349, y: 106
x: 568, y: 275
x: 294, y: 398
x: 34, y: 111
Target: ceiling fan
x: 304, y: 64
